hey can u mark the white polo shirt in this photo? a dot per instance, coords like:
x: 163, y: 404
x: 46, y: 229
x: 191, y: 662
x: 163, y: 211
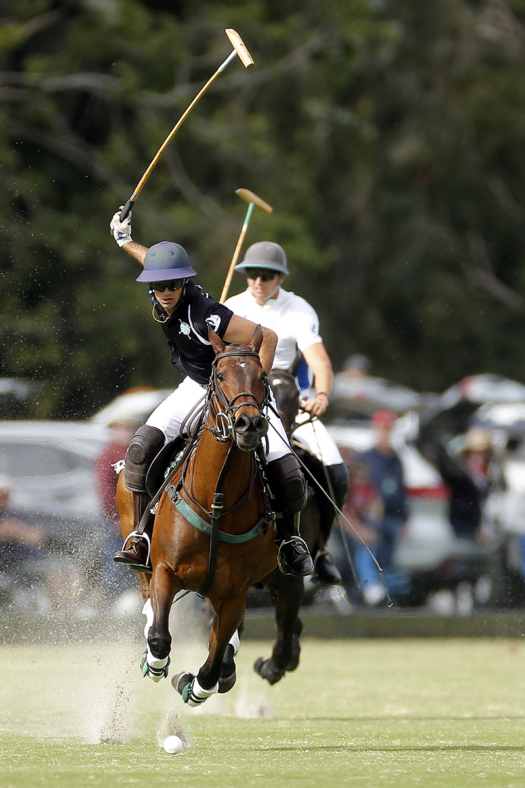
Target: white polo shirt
x: 290, y: 316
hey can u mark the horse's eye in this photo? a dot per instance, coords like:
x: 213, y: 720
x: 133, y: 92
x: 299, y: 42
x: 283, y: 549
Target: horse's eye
x: 220, y: 377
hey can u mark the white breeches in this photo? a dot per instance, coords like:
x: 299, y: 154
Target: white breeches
x: 315, y: 438
x: 170, y: 414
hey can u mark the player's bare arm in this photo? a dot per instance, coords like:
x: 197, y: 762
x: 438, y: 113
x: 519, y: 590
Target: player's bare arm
x: 240, y: 331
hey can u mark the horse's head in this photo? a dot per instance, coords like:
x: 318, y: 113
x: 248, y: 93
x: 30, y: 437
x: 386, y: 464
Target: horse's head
x: 286, y: 392
x: 239, y: 391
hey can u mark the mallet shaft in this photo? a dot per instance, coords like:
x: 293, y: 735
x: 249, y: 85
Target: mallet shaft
x: 240, y: 49
x: 240, y: 241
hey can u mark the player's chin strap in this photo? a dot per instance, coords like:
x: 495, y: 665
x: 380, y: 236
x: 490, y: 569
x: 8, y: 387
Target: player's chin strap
x: 338, y: 510
x: 158, y: 312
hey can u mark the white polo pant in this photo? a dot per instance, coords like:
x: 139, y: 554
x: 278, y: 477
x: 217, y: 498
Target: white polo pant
x: 315, y: 438
x: 169, y: 415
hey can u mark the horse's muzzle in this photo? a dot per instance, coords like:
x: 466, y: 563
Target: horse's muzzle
x: 249, y: 430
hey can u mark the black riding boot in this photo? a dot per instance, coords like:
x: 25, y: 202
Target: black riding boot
x: 325, y: 569
x: 144, y: 446
x: 289, y: 489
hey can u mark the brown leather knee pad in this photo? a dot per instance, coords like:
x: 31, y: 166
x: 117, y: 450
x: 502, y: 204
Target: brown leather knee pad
x: 144, y: 447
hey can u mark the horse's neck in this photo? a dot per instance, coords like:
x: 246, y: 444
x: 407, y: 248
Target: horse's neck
x: 207, y: 463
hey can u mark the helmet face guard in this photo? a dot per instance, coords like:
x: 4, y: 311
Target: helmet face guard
x: 264, y: 254
x: 165, y: 262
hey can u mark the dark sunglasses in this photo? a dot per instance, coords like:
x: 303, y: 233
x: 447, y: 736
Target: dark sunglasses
x: 264, y: 273
x: 172, y: 286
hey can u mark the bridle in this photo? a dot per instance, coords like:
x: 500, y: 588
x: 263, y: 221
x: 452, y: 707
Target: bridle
x: 224, y: 411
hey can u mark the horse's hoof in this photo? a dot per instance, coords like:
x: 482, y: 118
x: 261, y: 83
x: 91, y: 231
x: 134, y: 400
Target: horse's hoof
x: 266, y: 669
x: 225, y: 685
x: 181, y: 680
x: 294, y: 662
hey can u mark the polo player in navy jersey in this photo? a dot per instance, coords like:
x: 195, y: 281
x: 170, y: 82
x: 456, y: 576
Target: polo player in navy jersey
x: 185, y: 314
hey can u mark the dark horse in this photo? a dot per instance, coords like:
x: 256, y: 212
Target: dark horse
x: 287, y: 591
x: 217, y: 484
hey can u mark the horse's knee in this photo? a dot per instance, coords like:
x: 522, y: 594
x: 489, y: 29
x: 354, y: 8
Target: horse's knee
x: 160, y: 644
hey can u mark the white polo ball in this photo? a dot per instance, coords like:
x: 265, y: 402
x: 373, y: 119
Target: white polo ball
x: 173, y: 745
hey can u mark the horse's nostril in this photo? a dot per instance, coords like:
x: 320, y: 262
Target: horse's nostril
x: 242, y: 424
x: 259, y: 424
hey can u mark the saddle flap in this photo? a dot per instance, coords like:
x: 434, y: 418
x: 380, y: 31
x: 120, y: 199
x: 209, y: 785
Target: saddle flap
x: 157, y: 469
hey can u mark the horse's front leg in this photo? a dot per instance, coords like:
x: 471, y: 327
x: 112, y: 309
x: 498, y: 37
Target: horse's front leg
x: 163, y: 587
x: 211, y: 677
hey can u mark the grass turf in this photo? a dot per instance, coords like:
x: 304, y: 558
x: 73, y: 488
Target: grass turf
x: 356, y: 713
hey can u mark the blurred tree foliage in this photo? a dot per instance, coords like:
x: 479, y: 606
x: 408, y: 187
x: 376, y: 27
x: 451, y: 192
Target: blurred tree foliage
x: 387, y: 134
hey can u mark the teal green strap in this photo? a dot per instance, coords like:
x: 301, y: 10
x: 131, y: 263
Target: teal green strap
x: 201, y: 525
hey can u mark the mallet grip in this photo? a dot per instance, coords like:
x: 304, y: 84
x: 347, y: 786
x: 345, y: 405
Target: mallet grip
x: 127, y: 209
x: 240, y: 47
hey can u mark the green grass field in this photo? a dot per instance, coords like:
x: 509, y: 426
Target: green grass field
x: 356, y: 713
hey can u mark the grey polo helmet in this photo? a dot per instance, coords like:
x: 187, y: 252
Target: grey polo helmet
x: 264, y: 254
x: 165, y: 261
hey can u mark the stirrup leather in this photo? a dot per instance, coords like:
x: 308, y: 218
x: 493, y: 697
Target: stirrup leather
x: 281, y: 558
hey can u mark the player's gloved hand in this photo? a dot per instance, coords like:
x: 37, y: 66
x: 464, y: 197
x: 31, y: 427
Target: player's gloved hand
x: 121, y: 231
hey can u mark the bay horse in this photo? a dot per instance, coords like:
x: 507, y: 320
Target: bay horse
x: 218, y: 484
x: 287, y: 591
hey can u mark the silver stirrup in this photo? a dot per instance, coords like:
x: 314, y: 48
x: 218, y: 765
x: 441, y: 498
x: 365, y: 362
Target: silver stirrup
x: 282, y: 563
x: 136, y: 535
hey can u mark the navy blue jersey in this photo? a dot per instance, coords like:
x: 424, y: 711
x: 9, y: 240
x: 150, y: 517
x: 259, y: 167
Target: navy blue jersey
x: 187, y: 332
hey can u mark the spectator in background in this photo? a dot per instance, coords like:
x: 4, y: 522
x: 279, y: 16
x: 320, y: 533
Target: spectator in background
x: 362, y: 510
x: 114, y: 580
x: 386, y: 476
x: 24, y: 572
x: 19, y: 541
x: 469, y: 474
x: 356, y: 366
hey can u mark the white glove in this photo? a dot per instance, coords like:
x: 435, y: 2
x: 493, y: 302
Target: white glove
x: 121, y: 231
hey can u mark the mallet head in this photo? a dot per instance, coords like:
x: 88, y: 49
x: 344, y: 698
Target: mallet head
x: 240, y: 47
x: 248, y: 196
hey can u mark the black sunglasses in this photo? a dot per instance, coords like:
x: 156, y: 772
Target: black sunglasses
x: 265, y: 274
x: 173, y: 285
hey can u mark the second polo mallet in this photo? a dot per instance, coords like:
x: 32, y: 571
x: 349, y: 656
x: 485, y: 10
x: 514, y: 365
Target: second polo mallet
x: 252, y: 200
x: 239, y: 49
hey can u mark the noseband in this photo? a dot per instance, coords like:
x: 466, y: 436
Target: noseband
x: 225, y: 418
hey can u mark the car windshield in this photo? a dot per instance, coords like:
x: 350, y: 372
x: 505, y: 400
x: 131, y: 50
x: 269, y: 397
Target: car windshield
x: 33, y: 459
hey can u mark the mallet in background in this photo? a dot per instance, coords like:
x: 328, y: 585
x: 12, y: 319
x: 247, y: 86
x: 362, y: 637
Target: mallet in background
x: 238, y: 49
x: 252, y: 199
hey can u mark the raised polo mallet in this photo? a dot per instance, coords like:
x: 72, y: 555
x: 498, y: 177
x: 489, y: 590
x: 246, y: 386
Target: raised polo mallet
x: 240, y: 49
x: 251, y: 199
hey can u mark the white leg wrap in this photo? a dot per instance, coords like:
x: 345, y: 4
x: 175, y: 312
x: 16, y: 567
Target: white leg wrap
x: 155, y: 669
x: 235, y: 641
x: 197, y: 695
x: 147, y: 611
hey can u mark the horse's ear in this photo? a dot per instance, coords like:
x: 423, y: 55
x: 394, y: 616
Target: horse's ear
x: 216, y: 342
x: 257, y: 338
x: 298, y: 360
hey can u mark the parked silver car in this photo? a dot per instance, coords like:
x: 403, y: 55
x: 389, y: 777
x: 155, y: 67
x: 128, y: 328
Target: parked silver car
x: 50, y: 467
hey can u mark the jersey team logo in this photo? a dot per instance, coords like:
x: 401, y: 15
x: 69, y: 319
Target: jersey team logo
x: 214, y: 322
x: 184, y: 329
